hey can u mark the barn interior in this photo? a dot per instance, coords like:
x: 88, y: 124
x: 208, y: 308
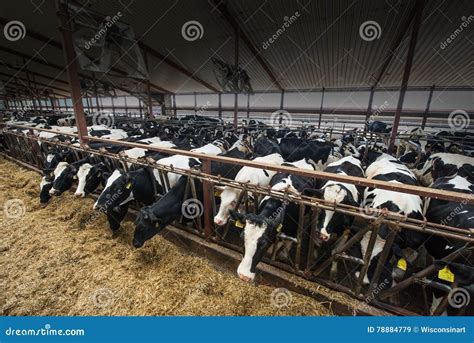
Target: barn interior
x: 391, y: 77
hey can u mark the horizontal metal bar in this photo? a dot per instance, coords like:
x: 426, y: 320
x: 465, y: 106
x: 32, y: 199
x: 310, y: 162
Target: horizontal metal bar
x: 358, y: 181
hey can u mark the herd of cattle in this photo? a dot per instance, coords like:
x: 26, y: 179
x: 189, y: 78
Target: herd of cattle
x: 431, y: 162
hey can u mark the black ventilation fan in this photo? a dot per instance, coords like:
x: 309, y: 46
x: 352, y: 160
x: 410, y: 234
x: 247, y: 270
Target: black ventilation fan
x: 232, y: 79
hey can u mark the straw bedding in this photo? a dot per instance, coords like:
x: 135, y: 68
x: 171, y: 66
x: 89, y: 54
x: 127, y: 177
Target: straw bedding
x: 62, y: 260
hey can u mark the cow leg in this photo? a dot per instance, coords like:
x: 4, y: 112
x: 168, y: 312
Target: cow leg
x: 115, y: 217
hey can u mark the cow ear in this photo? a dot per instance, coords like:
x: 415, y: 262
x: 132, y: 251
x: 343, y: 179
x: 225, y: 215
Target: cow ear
x: 237, y: 216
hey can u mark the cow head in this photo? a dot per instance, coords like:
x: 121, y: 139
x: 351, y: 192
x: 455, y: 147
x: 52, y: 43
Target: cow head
x: 117, y: 190
x: 148, y: 224
x: 64, y: 176
x: 89, y: 177
x: 229, y: 197
x: 259, y: 235
x: 45, y: 186
x: 330, y: 222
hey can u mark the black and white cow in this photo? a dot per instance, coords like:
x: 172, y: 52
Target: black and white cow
x: 261, y: 229
x: 154, y: 218
x: 445, y: 164
x: 89, y: 177
x: 253, y: 176
x: 64, y: 176
x: 459, y: 215
x: 340, y: 193
x: 295, y: 149
x: 121, y: 188
x: 389, y: 169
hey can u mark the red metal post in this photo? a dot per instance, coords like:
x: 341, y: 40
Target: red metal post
x: 321, y: 109
x: 427, y: 109
x: 406, y: 74
x: 207, y: 189
x: 72, y: 69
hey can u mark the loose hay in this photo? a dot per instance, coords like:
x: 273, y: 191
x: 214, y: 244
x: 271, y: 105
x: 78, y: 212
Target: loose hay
x: 62, y: 260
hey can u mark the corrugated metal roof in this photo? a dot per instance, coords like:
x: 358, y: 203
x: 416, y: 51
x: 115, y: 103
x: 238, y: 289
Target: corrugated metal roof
x: 322, y: 46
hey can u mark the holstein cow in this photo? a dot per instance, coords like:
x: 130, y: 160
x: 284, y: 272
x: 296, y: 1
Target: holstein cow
x: 387, y: 168
x: 274, y: 215
x: 253, y: 176
x: 64, y: 176
x: 445, y: 164
x: 295, y: 149
x: 154, y: 218
x: 229, y: 171
x: 121, y: 188
x: 89, y: 177
x: 52, y: 161
x: 459, y: 215
x: 340, y: 193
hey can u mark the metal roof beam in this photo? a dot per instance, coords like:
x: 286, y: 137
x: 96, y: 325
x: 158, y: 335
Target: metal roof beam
x: 221, y: 6
x: 51, y: 65
x: 156, y: 54
x: 45, y: 86
x: 56, y: 44
x: 396, y: 43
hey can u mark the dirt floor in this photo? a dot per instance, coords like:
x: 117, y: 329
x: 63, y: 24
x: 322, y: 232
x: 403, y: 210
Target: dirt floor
x: 62, y: 260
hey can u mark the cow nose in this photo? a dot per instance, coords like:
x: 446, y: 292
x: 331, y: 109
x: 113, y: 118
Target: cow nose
x: 80, y: 195
x: 136, y: 244
x: 324, y: 237
x: 245, y: 278
x: 218, y: 221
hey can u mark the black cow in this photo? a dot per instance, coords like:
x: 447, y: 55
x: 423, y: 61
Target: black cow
x: 121, y: 188
x: 154, y: 218
x: 295, y: 149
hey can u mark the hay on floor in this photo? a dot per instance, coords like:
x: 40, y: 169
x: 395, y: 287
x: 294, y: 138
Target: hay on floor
x: 62, y: 260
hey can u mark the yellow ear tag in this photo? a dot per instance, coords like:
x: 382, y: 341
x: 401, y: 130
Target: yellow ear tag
x: 402, y: 264
x: 74, y: 177
x: 129, y: 185
x: 446, y: 274
x: 99, y: 174
x: 279, y: 227
x: 217, y: 193
x: 239, y: 224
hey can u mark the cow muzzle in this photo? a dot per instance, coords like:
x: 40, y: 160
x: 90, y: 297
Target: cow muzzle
x: 245, y: 278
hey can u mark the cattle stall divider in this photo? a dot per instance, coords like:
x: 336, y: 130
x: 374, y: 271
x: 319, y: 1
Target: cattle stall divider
x: 301, y: 261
